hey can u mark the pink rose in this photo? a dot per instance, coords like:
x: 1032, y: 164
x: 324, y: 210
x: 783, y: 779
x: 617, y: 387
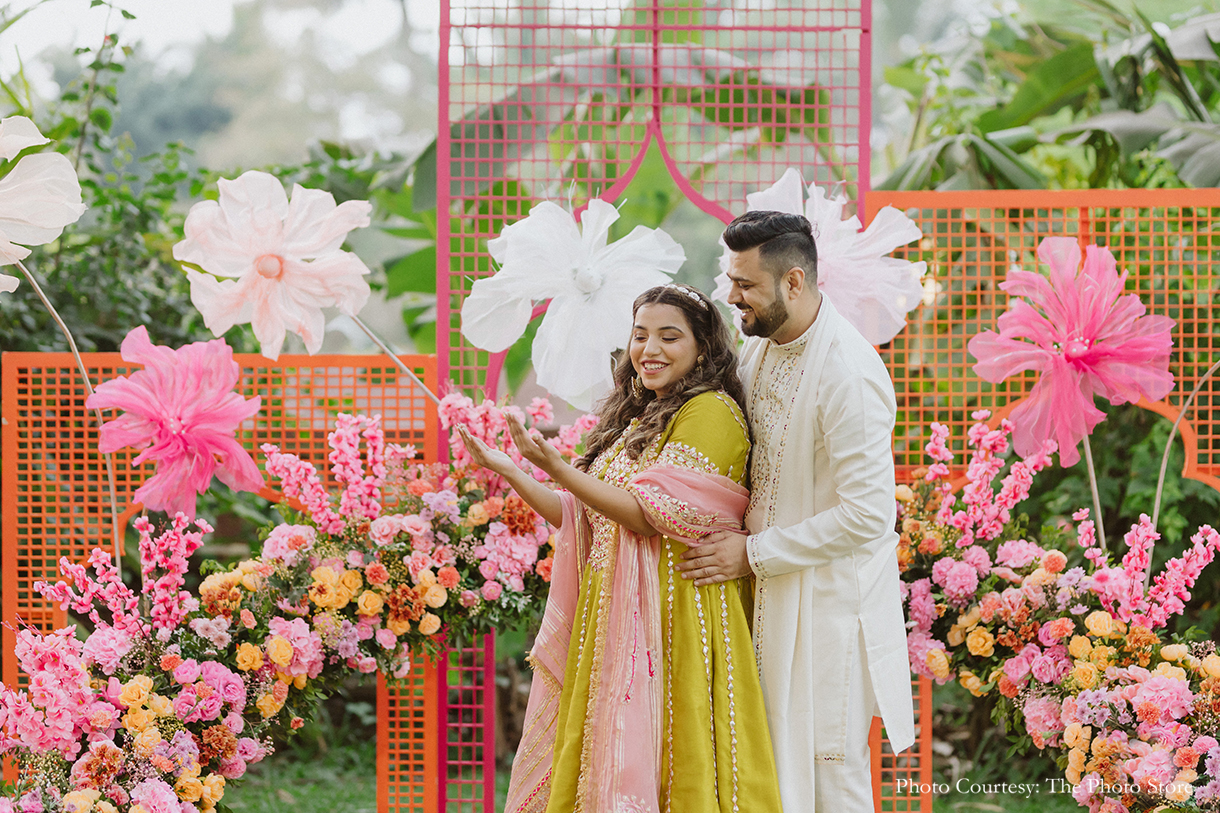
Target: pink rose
x: 235, y: 722
x: 367, y: 664
x: 468, y: 598
x: 187, y: 672
x: 491, y: 590
x: 233, y: 768
x: 249, y: 749
x: 211, y: 706
x: 385, y: 528
x: 386, y: 638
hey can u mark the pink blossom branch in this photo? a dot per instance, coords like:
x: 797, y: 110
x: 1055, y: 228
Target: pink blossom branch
x: 84, y: 374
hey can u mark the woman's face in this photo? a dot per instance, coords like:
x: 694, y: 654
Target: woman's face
x: 663, y: 347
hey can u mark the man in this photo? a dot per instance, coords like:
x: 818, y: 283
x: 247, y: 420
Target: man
x: 828, y: 624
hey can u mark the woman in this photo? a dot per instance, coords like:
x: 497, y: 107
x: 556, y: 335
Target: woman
x: 645, y: 695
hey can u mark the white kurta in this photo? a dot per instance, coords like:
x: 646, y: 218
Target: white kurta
x: 823, y: 544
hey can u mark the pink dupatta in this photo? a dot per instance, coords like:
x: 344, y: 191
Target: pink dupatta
x: 624, y: 717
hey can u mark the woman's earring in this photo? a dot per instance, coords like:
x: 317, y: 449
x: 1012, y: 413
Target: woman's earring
x: 699, y: 361
x: 637, y: 388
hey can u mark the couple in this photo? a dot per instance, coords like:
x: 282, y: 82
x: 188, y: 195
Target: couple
x: 648, y: 694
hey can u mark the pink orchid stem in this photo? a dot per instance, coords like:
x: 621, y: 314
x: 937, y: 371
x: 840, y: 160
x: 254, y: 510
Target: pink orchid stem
x: 84, y: 374
x: 1088, y: 461
x: 1173, y: 432
x: 385, y: 349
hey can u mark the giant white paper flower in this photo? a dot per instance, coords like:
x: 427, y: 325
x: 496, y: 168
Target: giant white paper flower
x: 38, y: 197
x: 285, y: 256
x: 874, y: 292
x: 591, y: 285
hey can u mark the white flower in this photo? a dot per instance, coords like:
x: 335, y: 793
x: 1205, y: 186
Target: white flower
x: 38, y: 196
x: 591, y: 285
x: 285, y: 256
x: 873, y: 291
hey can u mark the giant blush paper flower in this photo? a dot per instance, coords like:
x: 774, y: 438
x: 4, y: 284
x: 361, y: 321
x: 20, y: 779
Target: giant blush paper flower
x: 591, y: 284
x: 182, y: 411
x: 283, y: 258
x: 38, y: 196
x: 874, y: 292
x: 1086, y: 338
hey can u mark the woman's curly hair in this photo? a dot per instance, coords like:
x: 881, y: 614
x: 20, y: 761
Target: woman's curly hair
x: 717, y: 372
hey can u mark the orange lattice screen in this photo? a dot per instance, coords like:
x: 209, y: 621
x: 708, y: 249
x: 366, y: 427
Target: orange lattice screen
x: 1168, y: 240
x: 55, y: 497
x: 903, y: 782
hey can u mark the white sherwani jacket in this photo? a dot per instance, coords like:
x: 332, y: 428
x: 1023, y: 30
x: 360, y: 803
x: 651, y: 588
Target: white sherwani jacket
x: 823, y: 544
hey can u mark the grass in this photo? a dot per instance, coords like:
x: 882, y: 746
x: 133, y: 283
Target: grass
x: 331, y: 783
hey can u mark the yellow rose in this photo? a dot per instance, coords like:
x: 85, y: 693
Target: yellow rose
x: 1085, y: 674
x: 268, y: 705
x: 971, y: 683
x: 1102, y: 655
x: 1187, y: 775
x: 903, y: 493
x: 398, y: 626
x: 250, y: 657
x: 477, y: 515
x: 352, y: 580
x: 136, y: 719
x: 80, y: 801
x: 105, y: 807
x: 160, y: 705
x: 1178, y: 791
x: 251, y: 581
x: 956, y: 635
x: 147, y: 740
x: 279, y: 650
x: 1080, y: 647
x: 1099, y: 623
x: 1174, y: 652
x: 980, y: 642
x: 425, y: 576
x: 1077, y: 758
x: 369, y: 603
x: 971, y: 618
x: 938, y: 662
x: 1170, y: 671
x: 324, y: 575
x: 1076, y: 735
x: 300, y: 680
x: 343, y: 597
x: 213, y: 788
x: 1211, y: 665
x: 1072, y: 775
x: 435, y: 596
x: 429, y: 623
x: 189, y: 789
x: 136, y: 691
x: 192, y: 770
x: 1039, y: 577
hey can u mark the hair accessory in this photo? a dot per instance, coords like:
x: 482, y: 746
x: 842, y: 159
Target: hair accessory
x: 637, y: 388
x: 699, y: 361
x: 688, y: 291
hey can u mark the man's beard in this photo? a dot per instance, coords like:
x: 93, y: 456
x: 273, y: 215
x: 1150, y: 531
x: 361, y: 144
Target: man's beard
x: 767, y: 322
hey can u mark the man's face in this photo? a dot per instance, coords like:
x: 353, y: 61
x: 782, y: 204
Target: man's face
x: 756, y: 294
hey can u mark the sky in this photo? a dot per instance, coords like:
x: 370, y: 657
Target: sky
x: 162, y: 26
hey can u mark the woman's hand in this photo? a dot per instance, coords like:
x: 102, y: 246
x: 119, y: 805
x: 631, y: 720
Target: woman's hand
x: 539, y: 452
x: 483, y: 455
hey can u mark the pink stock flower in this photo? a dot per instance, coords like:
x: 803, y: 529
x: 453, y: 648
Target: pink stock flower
x: 182, y: 411
x: 283, y: 258
x: 1084, y: 336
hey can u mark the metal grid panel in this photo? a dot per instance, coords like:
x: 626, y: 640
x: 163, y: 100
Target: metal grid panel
x: 1167, y: 240
x: 550, y: 99
x: 407, y: 742
x: 467, y: 706
x: 56, y: 500
x: 903, y: 782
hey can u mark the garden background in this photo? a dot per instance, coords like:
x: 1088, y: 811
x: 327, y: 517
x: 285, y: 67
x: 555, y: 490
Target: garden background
x: 156, y: 100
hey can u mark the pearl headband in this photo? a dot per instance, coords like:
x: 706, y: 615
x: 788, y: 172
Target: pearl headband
x: 688, y: 291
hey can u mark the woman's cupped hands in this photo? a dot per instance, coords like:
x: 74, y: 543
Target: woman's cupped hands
x: 532, y: 446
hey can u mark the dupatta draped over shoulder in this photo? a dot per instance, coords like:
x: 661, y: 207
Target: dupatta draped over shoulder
x: 622, y: 762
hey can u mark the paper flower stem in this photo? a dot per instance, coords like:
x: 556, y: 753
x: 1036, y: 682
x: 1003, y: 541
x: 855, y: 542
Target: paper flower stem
x: 84, y: 374
x: 1173, y: 432
x: 385, y: 349
x: 1088, y: 461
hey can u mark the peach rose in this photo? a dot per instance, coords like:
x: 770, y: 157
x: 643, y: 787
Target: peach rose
x: 136, y: 691
x: 980, y: 642
x: 429, y: 623
x: 279, y: 651
x: 250, y: 657
x: 369, y: 603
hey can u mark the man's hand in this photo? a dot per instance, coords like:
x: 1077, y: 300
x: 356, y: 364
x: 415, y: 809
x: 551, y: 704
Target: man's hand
x: 721, y: 558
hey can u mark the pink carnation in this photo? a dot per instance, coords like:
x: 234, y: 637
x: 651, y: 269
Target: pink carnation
x: 961, y: 582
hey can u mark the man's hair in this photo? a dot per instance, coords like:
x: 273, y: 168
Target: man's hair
x: 784, y: 241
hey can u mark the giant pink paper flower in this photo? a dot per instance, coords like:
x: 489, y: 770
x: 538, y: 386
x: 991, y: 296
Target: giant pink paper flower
x: 182, y: 411
x: 1086, y: 338
x: 285, y: 256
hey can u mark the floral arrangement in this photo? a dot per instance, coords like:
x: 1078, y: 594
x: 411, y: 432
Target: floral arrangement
x: 1077, y: 657
x: 171, y: 694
